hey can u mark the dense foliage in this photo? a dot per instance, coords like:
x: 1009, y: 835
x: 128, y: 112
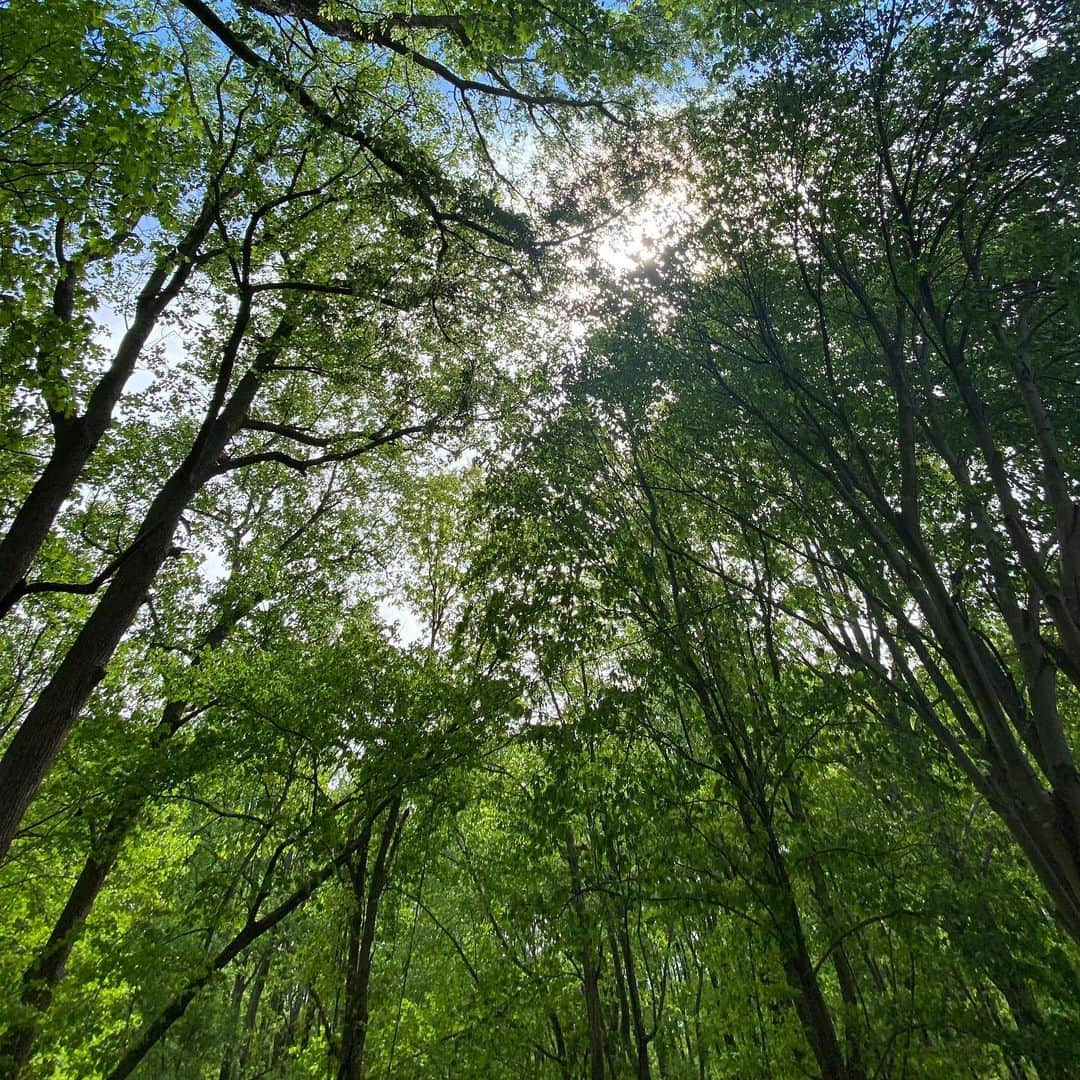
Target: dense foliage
x: 540, y: 539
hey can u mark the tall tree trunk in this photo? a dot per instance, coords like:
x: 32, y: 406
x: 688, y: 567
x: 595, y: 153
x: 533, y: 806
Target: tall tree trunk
x: 810, y: 1005
x: 42, y: 734
x: 641, y: 1035
x: 845, y: 974
x: 76, y: 438
x: 44, y: 972
x: 236, y: 1002
x: 253, y: 929
x: 620, y: 991
x: 560, y: 1046
x: 589, y: 964
x: 367, y: 895
x: 47, y: 968
x: 286, y: 1036
x: 251, y: 1012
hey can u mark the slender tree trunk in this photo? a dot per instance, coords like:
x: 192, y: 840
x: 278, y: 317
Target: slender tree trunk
x: 641, y: 1036
x: 286, y: 1036
x: 41, y: 735
x: 40, y: 978
x: 662, y: 1057
x: 254, y: 929
x: 589, y: 965
x: 47, y: 968
x: 75, y: 439
x: 236, y: 1002
x: 366, y: 902
x: 620, y: 990
x: 701, y: 1049
x: 810, y: 1004
x: 349, y: 1057
x: 783, y: 911
x: 560, y: 1046
x: 1000, y: 968
x: 251, y: 1012
x: 845, y: 974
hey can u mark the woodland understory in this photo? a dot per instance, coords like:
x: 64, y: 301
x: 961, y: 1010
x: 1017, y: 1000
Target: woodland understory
x: 540, y: 539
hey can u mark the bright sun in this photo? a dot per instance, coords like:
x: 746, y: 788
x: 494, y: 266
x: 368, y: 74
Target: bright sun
x: 643, y: 231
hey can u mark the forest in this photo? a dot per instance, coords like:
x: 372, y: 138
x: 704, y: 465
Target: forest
x: 540, y: 539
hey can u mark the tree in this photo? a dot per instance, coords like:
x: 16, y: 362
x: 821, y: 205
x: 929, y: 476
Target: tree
x: 886, y: 315
x: 429, y: 650
x: 626, y: 545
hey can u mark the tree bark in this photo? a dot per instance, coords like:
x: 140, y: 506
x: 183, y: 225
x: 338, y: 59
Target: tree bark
x: 76, y: 438
x: 41, y: 735
x: 589, y: 966
x: 366, y: 898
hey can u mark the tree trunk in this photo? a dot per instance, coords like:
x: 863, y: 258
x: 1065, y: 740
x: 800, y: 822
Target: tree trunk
x: 40, y: 978
x: 251, y: 1012
x: 845, y: 974
x: 620, y: 991
x: 810, y: 1004
x: 254, y: 929
x: 76, y: 439
x: 589, y: 965
x: 47, y: 968
x: 42, y: 734
x: 366, y: 899
x: 560, y: 1046
x: 236, y: 1001
x: 641, y: 1036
